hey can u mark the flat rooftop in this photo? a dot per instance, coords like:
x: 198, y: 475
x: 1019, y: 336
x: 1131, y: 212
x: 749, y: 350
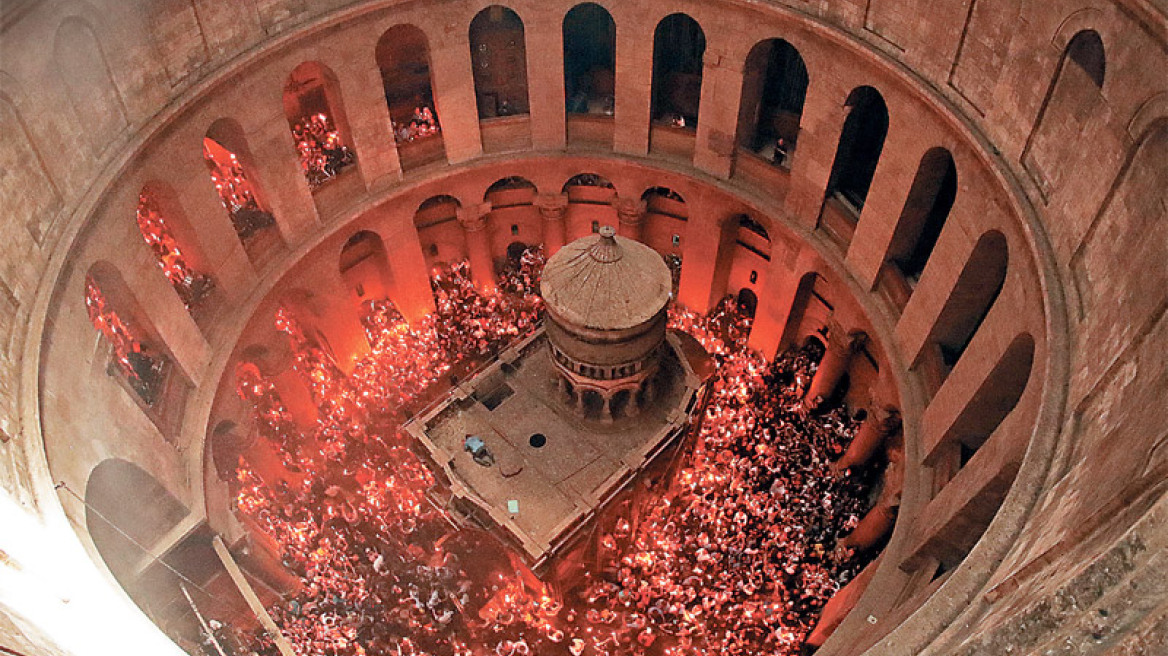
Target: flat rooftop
x: 541, y: 495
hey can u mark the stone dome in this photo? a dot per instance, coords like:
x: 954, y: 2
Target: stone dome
x: 606, y: 282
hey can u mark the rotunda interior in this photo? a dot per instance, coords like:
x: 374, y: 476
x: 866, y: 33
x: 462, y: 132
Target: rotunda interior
x: 850, y: 342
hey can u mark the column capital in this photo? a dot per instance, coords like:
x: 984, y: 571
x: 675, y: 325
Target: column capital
x: 474, y: 218
x: 552, y: 207
x: 630, y: 210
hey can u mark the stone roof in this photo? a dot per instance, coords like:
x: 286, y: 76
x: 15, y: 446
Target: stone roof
x: 605, y: 282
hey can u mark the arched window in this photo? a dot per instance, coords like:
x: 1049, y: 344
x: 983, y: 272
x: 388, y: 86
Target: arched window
x: 931, y: 197
x: 774, y: 88
x: 1085, y: 50
x: 859, y: 148
x: 312, y: 105
x: 498, y: 53
x: 159, y: 220
x: 679, y: 46
x: 228, y: 159
x: 977, y: 287
x: 590, y: 60
x: 365, y: 268
x: 403, y: 57
x: 114, y: 313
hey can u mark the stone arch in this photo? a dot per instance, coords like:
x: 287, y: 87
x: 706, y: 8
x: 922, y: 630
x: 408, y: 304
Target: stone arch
x: 679, y: 46
x: 403, y: 60
x: 930, y: 199
x: 364, y: 266
x: 439, y: 233
x: 811, y: 311
x: 127, y: 511
x: 172, y: 239
x: 860, y: 144
x: 666, y: 220
x: 80, y: 60
x: 589, y: 188
x: 977, y: 287
x: 774, y: 89
x: 230, y: 164
x: 1085, y: 50
x: 511, y: 191
x: 498, y: 50
x: 137, y: 351
x: 589, y: 59
x: 316, y: 117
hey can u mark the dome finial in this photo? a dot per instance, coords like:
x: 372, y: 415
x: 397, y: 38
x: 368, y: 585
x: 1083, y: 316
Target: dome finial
x: 606, y: 249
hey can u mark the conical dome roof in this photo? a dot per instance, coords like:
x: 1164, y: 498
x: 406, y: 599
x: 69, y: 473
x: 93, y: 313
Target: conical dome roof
x: 605, y: 282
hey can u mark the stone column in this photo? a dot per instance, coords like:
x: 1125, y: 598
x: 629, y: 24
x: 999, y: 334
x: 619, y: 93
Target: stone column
x: 634, y: 71
x: 841, y: 345
x: 545, y: 80
x: 630, y: 214
x: 882, y: 422
x: 369, y: 124
x: 454, y: 95
x: 478, y: 246
x: 633, y: 408
x: 553, y: 208
x: 278, y: 174
x: 721, y: 92
x: 606, y: 409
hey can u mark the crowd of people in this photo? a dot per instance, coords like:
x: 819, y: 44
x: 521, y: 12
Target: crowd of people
x: 190, y: 285
x: 733, y: 554
x: 140, y: 366
x: 421, y: 125
x: 235, y: 191
x: 322, y: 151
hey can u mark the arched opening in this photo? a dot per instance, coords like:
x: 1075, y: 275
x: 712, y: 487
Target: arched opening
x: 515, y: 251
x: 1074, y: 104
x: 161, y: 223
x: 513, y: 217
x: 679, y: 45
x: 665, y: 223
x: 499, y: 57
x: 977, y: 287
x: 364, y: 266
x: 403, y: 58
x: 774, y: 87
x: 127, y: 512
x: 811, y: 312
x: 228, y: 159
x: 1085, y: 50
x: 316, y: 116
x: 442, y: 239
x: 858, y: 153
x: 116, y: 314
x: 931, y: 197
x: 511, y: 191
x: 590, y: 60
x: 747, y: 302
x: 744, y: 251
x: 589, y: 188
